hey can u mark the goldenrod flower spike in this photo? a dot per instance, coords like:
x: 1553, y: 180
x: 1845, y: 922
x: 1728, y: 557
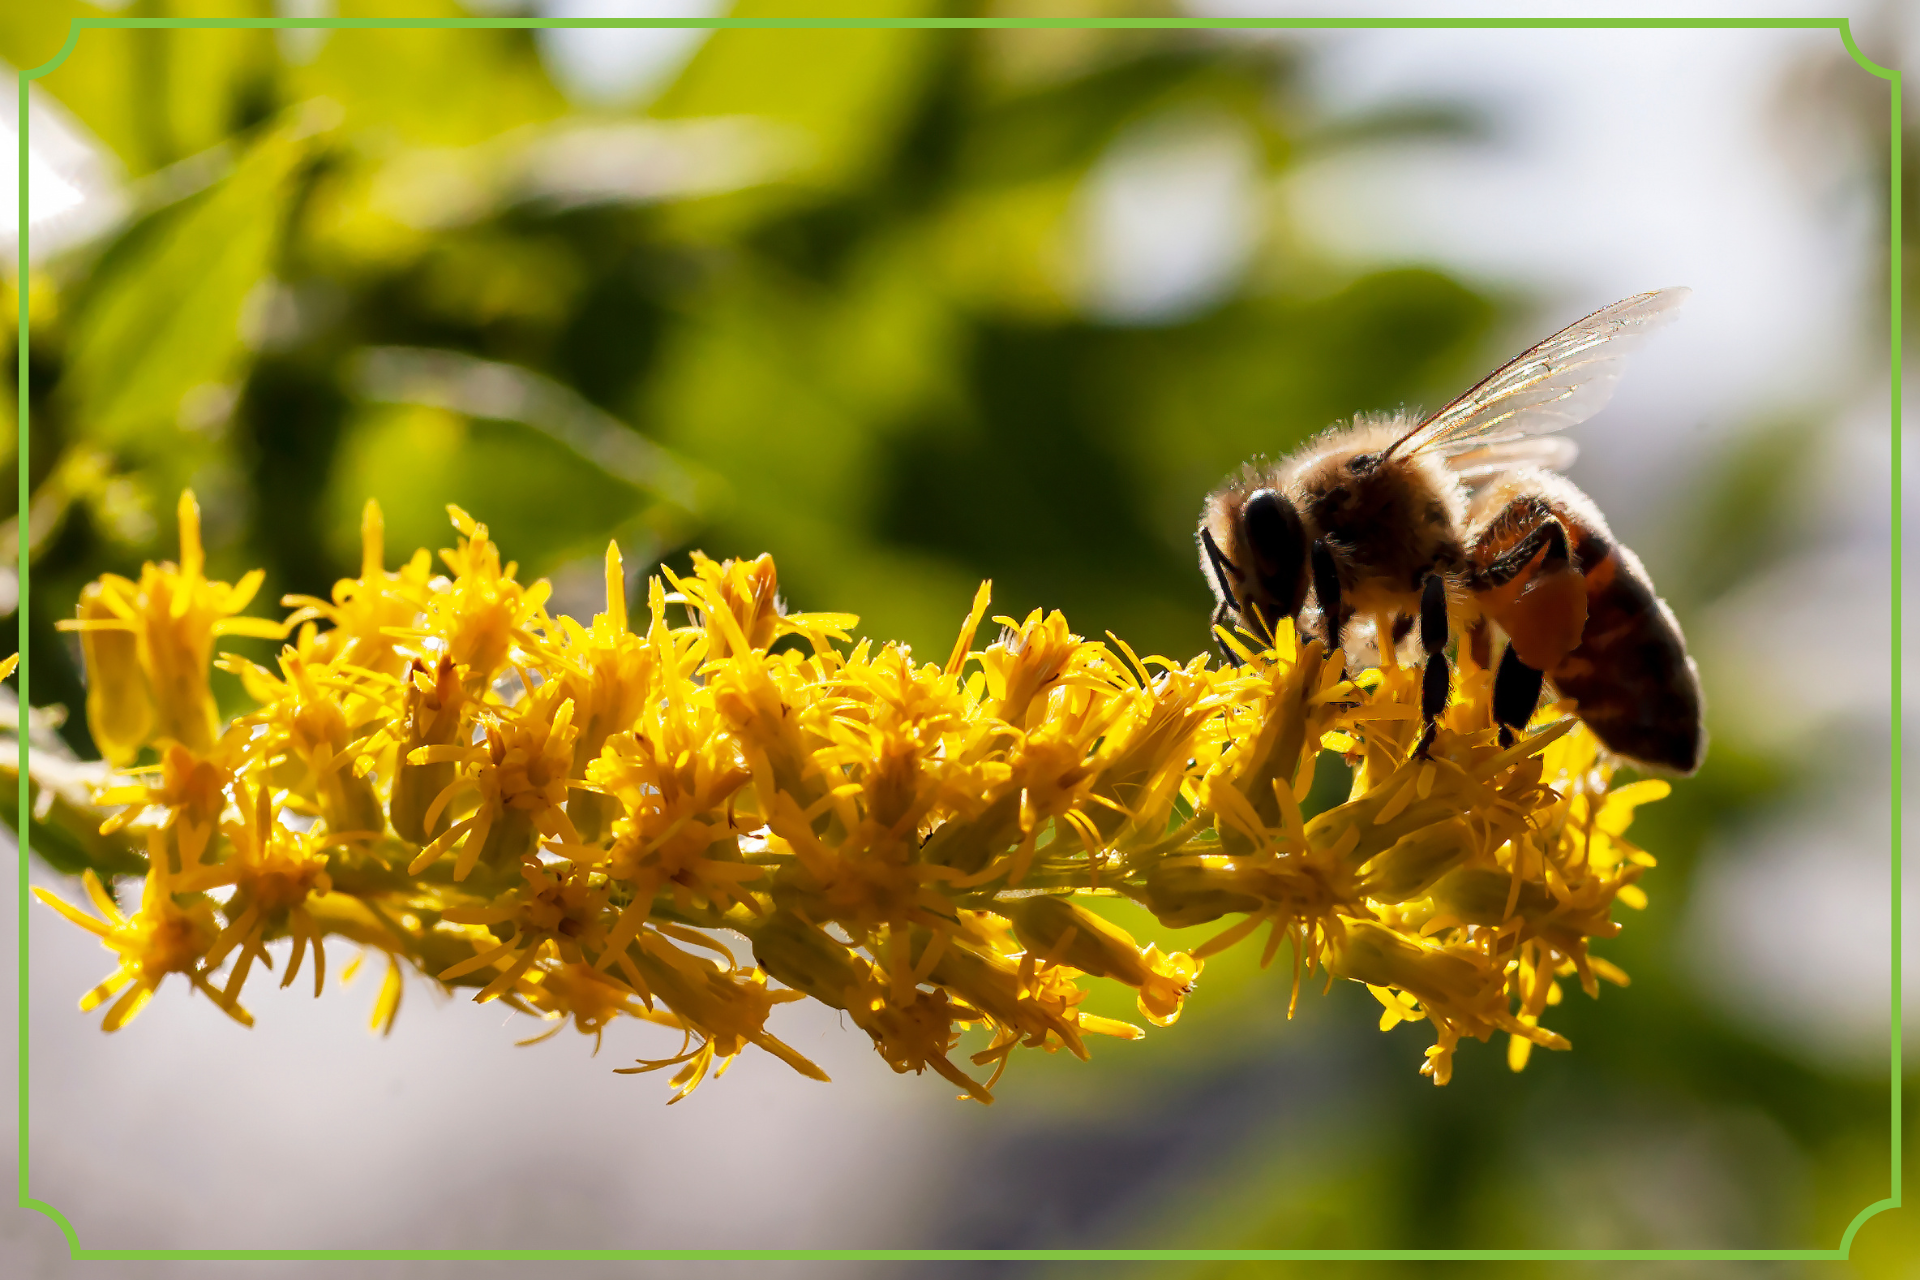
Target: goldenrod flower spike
x: 572, y: 818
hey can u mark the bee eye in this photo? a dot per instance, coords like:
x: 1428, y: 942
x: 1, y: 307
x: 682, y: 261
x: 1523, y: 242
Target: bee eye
x: 1272, y: 532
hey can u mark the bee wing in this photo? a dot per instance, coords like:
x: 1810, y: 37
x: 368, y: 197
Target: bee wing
x: 1552, y: 453
x: 1562, y: 381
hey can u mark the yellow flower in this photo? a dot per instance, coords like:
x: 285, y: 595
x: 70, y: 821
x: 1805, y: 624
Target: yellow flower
x: 674, y: 795
x: 192, y: 790
x: 1025, y: 1003
x: 147, y: 646
x: 158, y: 939
x: 433, y: 712
x: 582, y: 994
x: 724, y: 1008
x: 520, y: 771
x: 738, y: 603
x: 910, y: 1035
x: 563, y: 913
x: 274, y: 872
x: 918, y: 1033
x: 484, y: 619
x: 319, y: 723
x: 1167, y: 724
x: 608, y: 673
x: 367, y: 611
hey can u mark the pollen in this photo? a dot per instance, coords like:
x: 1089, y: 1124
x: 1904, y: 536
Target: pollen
x: 584, y: 822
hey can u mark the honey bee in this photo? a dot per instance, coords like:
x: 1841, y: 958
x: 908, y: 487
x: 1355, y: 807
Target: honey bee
x: 1461, y: 522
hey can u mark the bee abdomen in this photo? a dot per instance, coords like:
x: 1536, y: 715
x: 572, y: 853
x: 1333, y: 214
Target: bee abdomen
x: 1630, y: 675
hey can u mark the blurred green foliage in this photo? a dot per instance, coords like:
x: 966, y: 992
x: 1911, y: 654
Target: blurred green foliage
x: 826, y: 297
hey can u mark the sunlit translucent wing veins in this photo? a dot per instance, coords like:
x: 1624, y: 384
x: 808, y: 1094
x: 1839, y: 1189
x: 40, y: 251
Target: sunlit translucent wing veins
x: 1557, y: 384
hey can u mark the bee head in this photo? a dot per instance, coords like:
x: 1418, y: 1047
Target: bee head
x: 1276, y: 546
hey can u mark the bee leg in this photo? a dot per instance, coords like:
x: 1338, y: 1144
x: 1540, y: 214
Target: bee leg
x: 1436, y: 681
x: 1252, y: 622
x: 1224, y: 575
x: 1222, y: 617
x: 1326, y: 588
x: 1516, y: 692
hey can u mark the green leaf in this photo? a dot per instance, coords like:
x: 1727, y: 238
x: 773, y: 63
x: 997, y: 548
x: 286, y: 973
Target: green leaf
x: 843, y: 91
x: 32, y: 33
x: 436, y: 88
x: 167, y: 319
x: 152, y: 96
x: 1061, y: 128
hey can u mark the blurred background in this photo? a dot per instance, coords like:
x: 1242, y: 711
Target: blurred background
x: 913, y: 309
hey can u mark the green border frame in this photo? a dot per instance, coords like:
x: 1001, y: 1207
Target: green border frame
x: 1089, y: 1256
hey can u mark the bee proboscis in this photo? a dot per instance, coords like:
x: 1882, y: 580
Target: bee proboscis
x: 1460, y: 522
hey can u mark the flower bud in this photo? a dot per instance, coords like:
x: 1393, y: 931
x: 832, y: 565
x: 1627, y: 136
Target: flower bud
x: 1406, y: 870
x: 809, y: 959
x: 1479, y: 895
x: 433, y: 718
x: 747, y: 590
x: 1024, y: 667
x: 1197, y: 891
x: 1437, y: 977
x: 1278, y: 750
x: 968, y: 844
x: 119, y: 702
x: 1062, y: 932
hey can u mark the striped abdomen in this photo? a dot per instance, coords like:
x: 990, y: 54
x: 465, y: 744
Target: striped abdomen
x: 1629, y: 676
